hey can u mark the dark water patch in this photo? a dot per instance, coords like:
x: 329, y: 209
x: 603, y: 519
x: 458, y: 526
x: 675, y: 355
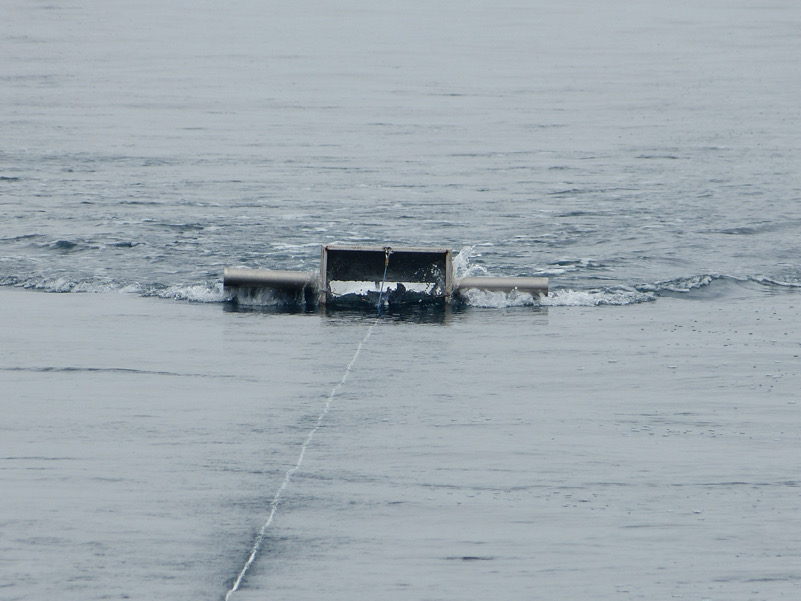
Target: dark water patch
x: 584, y: 213
x: 718, y: 286
x: 470, y: 558
x: 123, y: 370
x: 37, y: 458
x: 182, y: 227
x: 70, y: 246
x: 662, y: 525
x: 584, y: 263
x: 738, y: 483
x: 785, y: 578
x: 64, y: 284
x: 742, y: 231
x: 571, y: 192
x: 146, y: 203
x: 22, y: 238
x: 156, y: 162
x: 44, y: 540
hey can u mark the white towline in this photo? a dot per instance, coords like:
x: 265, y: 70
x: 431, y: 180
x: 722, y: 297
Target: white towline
x: 288, y: 476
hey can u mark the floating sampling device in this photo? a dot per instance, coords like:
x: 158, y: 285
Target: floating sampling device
x: 378, y: 275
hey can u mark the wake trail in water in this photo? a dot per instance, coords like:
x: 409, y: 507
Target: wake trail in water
x: 288, y: 476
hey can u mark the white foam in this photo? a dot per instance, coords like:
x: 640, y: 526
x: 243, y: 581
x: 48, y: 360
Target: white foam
x: 498, y: 299
x: 593, y: 298
x: 363, y: 288
x: 199, y: 293
x: 461, y: 264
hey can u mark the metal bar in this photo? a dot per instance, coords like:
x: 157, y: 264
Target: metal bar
x: 370, y: 248
x: 534, y: 286
x: 267, y: 278
x: 322, y: 293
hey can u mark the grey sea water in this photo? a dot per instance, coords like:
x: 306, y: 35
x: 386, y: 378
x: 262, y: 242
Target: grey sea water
x: 642, y: 155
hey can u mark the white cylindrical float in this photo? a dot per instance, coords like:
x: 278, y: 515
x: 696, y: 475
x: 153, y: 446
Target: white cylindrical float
x: 533, y: 286
x: 234, y: 277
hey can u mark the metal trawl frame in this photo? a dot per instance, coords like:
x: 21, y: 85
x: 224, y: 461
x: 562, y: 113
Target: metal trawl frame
x: 369, y: 274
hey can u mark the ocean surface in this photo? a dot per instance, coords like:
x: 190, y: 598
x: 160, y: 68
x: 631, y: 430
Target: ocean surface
x: 633, y: 435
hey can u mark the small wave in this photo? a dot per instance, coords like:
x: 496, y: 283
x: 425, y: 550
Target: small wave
x: 10, y: 280
x: 196, y: 293
x: 596, y: 297
x: 61, y: 285
x: 71, y: 246
x: 199, y: 293
x: 64, y: 284
x: 717, y: 282
x: 781, y: 283
x: 621, y: 295
x: 561, y: 266
x: 685, y: 284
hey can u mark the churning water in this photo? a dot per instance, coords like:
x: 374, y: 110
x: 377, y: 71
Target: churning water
x: 619, y: 149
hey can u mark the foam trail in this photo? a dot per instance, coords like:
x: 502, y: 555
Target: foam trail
x: 288, y: 476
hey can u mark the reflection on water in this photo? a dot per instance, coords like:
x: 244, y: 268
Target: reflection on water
x: 421, y: 313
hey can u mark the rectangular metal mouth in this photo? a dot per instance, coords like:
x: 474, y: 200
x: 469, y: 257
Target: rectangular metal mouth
x: 403, y: 274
